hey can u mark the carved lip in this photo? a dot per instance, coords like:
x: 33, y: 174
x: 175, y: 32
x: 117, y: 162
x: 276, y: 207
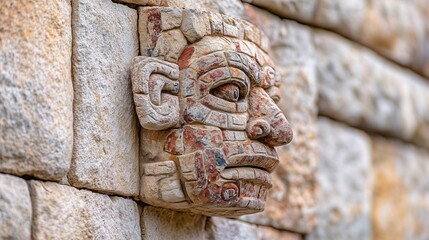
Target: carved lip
x: 260, y: 161
x: 254, y: 154
x: 248, y: 174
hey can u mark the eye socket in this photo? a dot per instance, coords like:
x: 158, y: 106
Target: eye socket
x: 229, y: 92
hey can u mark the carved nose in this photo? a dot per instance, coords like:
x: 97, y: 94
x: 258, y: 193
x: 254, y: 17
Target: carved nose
x: 267, y: 123
x: 281, y: 131
x: 258, y: 128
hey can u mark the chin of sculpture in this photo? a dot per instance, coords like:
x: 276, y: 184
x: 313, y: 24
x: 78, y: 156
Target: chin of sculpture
x: 205, y: 96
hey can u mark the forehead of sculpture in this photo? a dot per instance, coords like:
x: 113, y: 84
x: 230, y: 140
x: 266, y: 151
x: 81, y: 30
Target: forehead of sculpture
x: 212, y: 44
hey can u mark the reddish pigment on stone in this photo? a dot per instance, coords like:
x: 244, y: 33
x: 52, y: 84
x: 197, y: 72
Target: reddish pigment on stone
x: 237, y: 47
x: 184, y: 58
x: 218, y: 73
x: 199, y: 167
x: 172, y: 144
x: 154, y: 25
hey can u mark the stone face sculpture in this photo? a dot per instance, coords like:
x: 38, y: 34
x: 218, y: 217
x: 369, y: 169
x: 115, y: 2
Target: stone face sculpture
x: 205, y: 97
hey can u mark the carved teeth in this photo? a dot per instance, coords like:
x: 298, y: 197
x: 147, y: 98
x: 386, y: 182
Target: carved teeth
x: 251, y: 203
x: 248, y: 174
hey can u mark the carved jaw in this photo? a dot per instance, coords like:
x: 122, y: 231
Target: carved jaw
x: 219, y: 177
x: 237, y: 186
x: 211, y: 171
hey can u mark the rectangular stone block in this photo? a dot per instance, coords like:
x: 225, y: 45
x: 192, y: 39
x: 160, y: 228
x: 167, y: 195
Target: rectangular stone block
x: 345, y: 179
x: 228, y: 7
x: 401, y: 190
x: 15, y: 208
x: 160, y: 223
x: 36, y: 92
x: 364, y: 90
x: 294, y: 179
x: 63, y: 212
x: 396, y: 29
x: 222, y: 228
x: 105, y: 154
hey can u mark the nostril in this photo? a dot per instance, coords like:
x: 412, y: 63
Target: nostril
x: 258, y: 129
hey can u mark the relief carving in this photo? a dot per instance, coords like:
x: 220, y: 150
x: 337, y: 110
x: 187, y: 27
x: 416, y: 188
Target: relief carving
x: 205, y: 96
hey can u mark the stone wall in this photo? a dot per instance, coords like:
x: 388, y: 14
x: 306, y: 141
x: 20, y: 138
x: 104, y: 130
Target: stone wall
x: 354, y: 79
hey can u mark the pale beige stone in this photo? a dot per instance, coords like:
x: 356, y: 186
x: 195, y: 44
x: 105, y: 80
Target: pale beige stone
x: 294, y: 180
x: 358, y: 87
x: 15, y: 208
x: 222, y: 228
x: 105, y: 155
x: 195, y: 24
x: 63, y: 212
x: 394, y: 28
x: 159, y: 223
x: 345, y: 180
x: 36, y: 92
x: 228, y: 7
x: 170, y: 44
x: 401, y: 190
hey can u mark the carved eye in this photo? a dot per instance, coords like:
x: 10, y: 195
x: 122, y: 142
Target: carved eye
x: 229, y: 92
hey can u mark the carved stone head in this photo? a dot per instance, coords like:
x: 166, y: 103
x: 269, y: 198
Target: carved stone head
x: 205, y: 94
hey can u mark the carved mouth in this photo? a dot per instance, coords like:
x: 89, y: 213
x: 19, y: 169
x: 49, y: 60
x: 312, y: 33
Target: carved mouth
x: 250, y: 153
x: 248, y: 174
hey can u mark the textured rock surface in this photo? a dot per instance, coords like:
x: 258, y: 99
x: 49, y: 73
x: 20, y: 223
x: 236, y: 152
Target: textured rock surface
x: 345, y: 183
x: 401, y: 191
x: 36, y: 95
x: 159, y: 223
x: 223, y: 228
x: 360, y: 88
x: 105, y: 154
x: 63, y: 212
x: 207, y: 106
x: 15, y: 208
x: 232, y: 8
x: 396, y: 28
x: 294, y: 180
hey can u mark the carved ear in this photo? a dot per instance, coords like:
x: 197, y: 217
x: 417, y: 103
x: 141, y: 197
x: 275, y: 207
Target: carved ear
x: 155, y: 88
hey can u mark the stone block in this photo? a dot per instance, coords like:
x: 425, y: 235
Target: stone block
x: 36, y: 92
x: 15, y: 208
x: 401, y: 190
x: 63, y: 212
x: 105, y: 154
x: 222, y: 228
x: 344, y: 183
x: 396, y: 29
x: 362, y: 89
x: 232, y: 8
x: 159, y: 223
x: 294, y: 180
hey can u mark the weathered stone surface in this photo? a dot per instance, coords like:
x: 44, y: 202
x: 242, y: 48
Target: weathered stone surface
x: 396, y: 28
x: 63, y: 212
x: 345, y: 181
x: 105, y: 154
x: 208, y: 112
x: 36, y: 93
x: 401, y: 191
x: 222, y: 228
x: 232, y: 8
x: 360, y: 88
x: 15, y: 208
x: 294, y: 179
x: 159, y: 223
